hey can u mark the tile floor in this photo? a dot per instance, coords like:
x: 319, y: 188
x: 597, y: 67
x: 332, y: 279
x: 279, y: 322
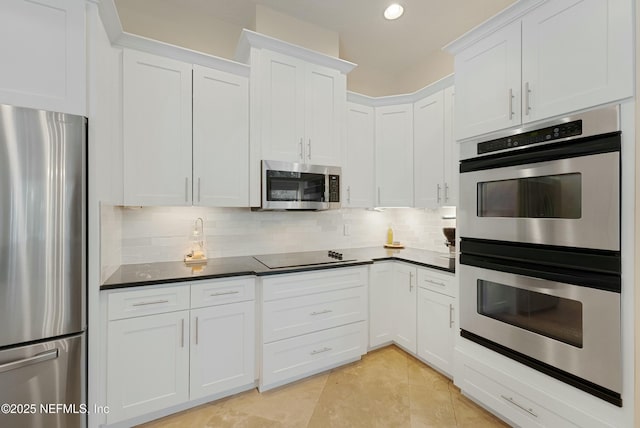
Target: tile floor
x: 387, y: 388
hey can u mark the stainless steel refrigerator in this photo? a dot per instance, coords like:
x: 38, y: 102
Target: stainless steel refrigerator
x: 42, y: 268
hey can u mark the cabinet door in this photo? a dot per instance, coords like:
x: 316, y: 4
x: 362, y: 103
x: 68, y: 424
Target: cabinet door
x: 220, y: 138
x: 576, y: 54
x: 222, y: 348
x: 436, y: 329
x: 381, y: 304
x: 394, y: 156
x: 428, y: 149
x: 147, y: 364
x: 43, y: 51
x: 325, y: 95
x: 358, y: 173
x: 157, y: 130
x: 451, y: 151
x: 488, y: 83
x: 283, y: 104
x: 404, y: 311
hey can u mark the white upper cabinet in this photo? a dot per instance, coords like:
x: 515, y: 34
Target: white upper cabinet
x: 488, y: 83
x: 302, y: 110
x: 428, y: 149
x: 576, y: 54
x: 43, y: 52
x: 559, y: 57
x: 157, y: 130
x: 358, y: 173
x: 451, y: 151
x: 394, y: 155
x: 220, y: 138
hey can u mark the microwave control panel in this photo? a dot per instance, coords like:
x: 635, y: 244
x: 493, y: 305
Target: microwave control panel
x: 544, y: 135
x: 334, y: 188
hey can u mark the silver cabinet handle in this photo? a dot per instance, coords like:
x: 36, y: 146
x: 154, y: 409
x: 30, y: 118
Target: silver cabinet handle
x: 438, y: 192
x: 410, y: 281
x: 510, y: 103
x: 186, y: 189
x: 38, y: 358
x: 450, y: 315
x: 446, y: 192
x: 320, y: 351
x: 196, y: 330
x: 512, y: 401
x: 527, y: 91
x: 301, y: 155
x: 309, y: 149
x: 326, y: 311
x: 441, y: 284
x: 348, y: 194
x: 223, y: 293
x: 155, y: 302
x: 199, y: 193
x: 182, y: 334
x: 379, y: 195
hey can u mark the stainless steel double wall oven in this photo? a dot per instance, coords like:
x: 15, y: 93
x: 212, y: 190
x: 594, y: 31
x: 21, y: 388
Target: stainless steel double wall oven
x: 540, y: 248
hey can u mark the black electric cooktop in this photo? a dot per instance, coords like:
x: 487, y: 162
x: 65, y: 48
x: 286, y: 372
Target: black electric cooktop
x: 307, y: 258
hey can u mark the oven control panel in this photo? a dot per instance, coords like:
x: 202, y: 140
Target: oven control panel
x: 543, y: 135
x: 334, y: 188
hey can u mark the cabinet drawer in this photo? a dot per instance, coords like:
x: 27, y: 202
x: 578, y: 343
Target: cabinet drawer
x: 438, y: 282
x: 294, y: 358
x: 302, y: 284
x: 218, y: 292
x: 128, y: 304
x: 305, y: 314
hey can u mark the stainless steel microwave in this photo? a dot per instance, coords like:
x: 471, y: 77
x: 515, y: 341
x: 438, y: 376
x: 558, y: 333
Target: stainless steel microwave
x: 298, y: 186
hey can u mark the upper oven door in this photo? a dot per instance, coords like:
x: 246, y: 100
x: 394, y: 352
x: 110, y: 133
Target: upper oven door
x: 553, y: 198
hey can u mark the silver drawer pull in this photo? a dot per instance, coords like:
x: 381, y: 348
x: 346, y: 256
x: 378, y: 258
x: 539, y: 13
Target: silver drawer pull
x: 224, y: 293
x: 155, y: 302
x: 326, y: 311
x: 512, y: 401
x: 320, y: 351
x: 38, y: 358
x: 441, y: 284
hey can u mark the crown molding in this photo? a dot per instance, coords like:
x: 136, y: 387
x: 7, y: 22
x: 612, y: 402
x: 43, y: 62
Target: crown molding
x: 410, y: 98
x: 250, y: 39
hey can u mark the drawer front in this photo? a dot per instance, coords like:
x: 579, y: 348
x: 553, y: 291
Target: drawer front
x: 438, y: 282
x: 221, y: 291
x: 129, y: 304
x: 302, y: 284
x: 301, y: 315
x: 293, y: 358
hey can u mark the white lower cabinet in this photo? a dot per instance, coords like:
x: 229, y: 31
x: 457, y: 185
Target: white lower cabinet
x: 436, y: 329
x: 381, y: 313
x: 311, y: 321
x: 222, y: 348
x: 404, y: 306
x: 161, y: 354
x: 148, y: 364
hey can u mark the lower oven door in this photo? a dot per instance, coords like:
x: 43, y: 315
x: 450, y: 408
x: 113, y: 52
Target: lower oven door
x: 571, y: 328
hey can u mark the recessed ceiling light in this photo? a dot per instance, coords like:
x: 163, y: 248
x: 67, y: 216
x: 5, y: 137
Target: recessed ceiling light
x: 394, y: 11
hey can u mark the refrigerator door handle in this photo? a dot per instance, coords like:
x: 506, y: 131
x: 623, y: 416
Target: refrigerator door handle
x: 38, y: 358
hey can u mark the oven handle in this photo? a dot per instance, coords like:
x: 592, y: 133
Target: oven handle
x: 588, y: 279
x: 603, y: 144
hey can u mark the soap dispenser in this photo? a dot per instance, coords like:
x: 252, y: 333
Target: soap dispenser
x: 389, y: 235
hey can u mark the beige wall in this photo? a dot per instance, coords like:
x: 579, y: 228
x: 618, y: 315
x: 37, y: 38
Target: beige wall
x: 637, y: 235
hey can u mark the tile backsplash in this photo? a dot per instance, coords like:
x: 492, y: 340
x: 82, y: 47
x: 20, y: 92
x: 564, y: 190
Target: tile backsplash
x: 154, y: 234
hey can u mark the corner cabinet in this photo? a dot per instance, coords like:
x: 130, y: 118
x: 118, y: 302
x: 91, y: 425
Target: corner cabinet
x: 185, y: 133
x: 404, y: 306
x: 381, y: 313
x: 554, y: 59
x: 394, y: 156
x: 358, y: 173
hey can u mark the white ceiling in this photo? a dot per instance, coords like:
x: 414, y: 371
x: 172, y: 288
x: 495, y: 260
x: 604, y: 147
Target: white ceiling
x: 366, y: 38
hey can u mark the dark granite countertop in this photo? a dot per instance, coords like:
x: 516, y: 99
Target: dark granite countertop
x: 135, y: 275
